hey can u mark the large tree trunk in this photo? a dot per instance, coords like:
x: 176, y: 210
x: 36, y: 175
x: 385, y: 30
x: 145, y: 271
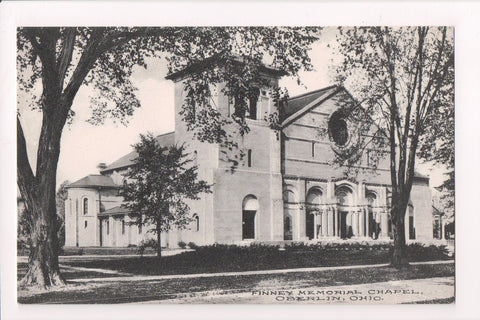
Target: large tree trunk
x: 39, y: 193
x: 399, y: 255
x: 43, y: 268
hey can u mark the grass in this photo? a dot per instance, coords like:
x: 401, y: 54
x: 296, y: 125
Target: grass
x: 219, y: 258
x: 137, y: 291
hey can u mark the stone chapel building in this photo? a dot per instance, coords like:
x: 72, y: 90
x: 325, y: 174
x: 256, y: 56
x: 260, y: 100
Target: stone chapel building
x: 285, y: 188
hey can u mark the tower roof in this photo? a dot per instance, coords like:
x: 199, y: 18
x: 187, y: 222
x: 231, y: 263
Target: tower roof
x: 215, y: 60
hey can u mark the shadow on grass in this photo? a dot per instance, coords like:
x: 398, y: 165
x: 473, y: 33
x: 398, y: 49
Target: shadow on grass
x: 138, y: 291
x: 221, y: 258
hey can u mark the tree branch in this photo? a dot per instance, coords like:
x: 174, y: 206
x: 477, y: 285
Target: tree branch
x: 26, y: 179
x: 89, y: 55
x: 66, y: 55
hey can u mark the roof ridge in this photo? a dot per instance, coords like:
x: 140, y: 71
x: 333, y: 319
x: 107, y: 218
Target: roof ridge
x: 164, y: 134
x: 313, y: 92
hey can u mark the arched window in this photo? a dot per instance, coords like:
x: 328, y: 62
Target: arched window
x: 85, y: 205
x: 371, y: 199
x: 344, y: 195
x: 249, y: 211
x: 196, y: 223
x: 287, y: 232
x: 289, y: 196
x: 314, y: 199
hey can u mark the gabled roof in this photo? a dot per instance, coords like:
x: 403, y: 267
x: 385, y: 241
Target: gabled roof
x: 164, y: 140
x: 94, y: 181
x: 299, y: 105
x: 418, y: 175
x: 114, y: 211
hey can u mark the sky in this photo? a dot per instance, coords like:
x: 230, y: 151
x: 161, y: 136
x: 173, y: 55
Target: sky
x: 84, y: 146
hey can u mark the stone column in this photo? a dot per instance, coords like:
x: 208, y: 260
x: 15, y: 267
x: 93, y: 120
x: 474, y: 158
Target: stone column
x: 112, y: 233
x: 367, y: 223
x: 353, y: 215
x: 335, y: 218
x: 361, y: 220
x: 324, y: 224
x: 384, y: 225
x: 330, y: 223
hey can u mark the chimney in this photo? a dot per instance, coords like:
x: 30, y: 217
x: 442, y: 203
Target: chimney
x: 101, y: 166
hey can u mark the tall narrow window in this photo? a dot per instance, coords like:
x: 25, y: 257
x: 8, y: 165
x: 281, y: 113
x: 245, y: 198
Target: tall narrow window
x: 85, y: 206
x: 139, y: 229
x: 313, y: 149
x: 108, y: 227
x: 249, y: 158
x: 86, y: 223
x: 196, y: 223
x: 123, y: 226
x: 253, y: 100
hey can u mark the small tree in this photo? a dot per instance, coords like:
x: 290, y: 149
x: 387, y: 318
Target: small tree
x: 158, y: 184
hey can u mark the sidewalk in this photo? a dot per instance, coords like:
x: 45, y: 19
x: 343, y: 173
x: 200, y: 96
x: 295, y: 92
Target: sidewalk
x: 166, y: 253
x: 239, y: 273
x: 390, y: 292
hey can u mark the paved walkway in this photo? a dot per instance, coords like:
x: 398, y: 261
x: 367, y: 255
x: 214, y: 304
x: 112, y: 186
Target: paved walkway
x: 389, y: 292
x: 239, y: 273
x: 166, y: 253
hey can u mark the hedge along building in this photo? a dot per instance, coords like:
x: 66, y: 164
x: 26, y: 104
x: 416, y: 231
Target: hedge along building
x: 284, y: 187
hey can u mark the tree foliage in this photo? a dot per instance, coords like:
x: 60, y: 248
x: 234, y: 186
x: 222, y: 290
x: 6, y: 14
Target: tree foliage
x: 158, y: 185
x: 404, y: 79
x: 54, y: 62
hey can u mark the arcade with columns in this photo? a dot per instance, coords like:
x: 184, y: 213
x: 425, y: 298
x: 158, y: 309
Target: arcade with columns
x: 335, y: 209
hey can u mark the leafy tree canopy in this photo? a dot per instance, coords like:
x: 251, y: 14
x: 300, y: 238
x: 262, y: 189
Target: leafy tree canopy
x: 159, y: 184
x: 404, y: 79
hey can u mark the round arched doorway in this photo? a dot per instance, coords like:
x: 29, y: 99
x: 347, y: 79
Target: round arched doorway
x: 347, y: 223
x: 314, y: 200
x: 249, y: 212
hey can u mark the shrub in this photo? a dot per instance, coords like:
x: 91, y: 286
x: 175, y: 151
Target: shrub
x: 149, y: 243
x: 192, y: 245
x: 182, y: 244
x: 422, y: 252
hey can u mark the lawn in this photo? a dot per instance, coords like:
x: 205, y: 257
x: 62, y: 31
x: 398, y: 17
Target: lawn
x: 137, y: 291
x: 220, y: 258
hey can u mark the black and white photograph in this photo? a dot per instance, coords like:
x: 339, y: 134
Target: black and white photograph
x: 237, y: 164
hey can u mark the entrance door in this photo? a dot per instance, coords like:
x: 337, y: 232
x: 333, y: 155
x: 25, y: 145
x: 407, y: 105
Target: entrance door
x: 309, y: 227
x: 248, y: 224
